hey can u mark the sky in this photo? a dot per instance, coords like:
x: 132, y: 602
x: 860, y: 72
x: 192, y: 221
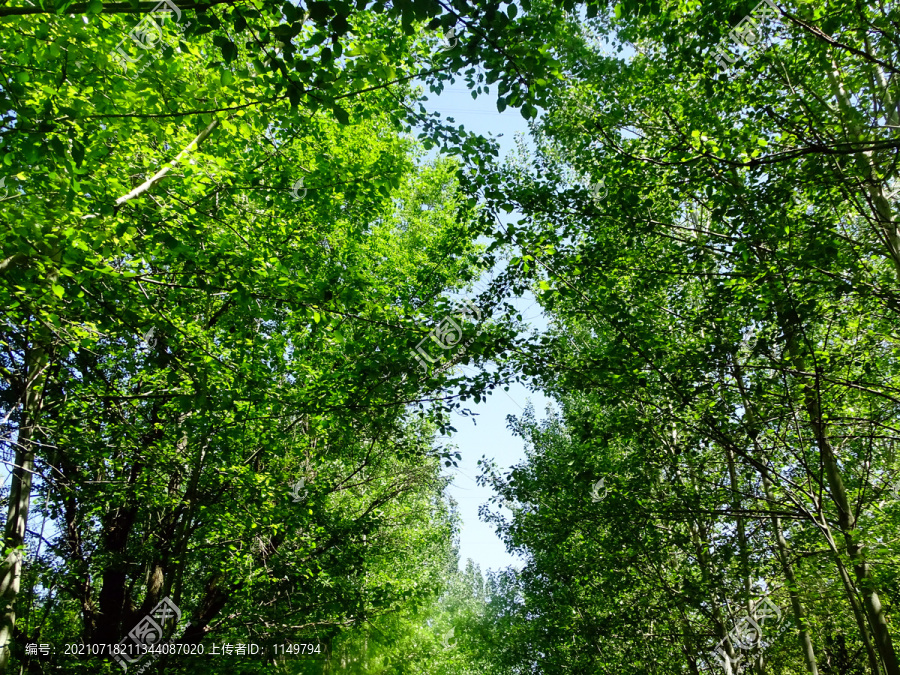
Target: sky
x: 491, y: 437
x: 488, y: 435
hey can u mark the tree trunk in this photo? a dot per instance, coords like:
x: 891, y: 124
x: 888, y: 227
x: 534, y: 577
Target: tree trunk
x: 790, y: 325
x: 35, y: 378
x: 804, y: 639
x: 806, y: 645
x: 858, y: 613
x: 888, y: 229
x: 736, y: 505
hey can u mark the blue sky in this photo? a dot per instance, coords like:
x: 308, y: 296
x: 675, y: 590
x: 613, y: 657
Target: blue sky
x: 488, y: 435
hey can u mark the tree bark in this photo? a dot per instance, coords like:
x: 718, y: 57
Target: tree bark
x: 113, y: 597
x: 759, y: 663
x: 803, y: 637
x: 790, y: 325
x: 888, y: 228
x: 855, y: 605
x: 35, y: 379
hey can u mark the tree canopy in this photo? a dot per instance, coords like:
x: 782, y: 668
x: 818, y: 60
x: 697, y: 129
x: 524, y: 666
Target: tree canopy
x: 231, y: 226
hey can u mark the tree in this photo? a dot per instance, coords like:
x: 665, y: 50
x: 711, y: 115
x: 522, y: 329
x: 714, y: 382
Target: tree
x: 192, y: 328
x: 723, y: 325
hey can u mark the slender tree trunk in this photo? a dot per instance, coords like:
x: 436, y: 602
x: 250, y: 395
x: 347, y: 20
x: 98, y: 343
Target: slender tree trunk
x: 888, y: 228
x: 35, y: 379
x: 691, y: 661
x: 737, y: 507
x: 186, y: 512
x: 720, y: 622
x: 891, y: 237
x: 855, y: 605
x: 871, y: 599
x: 698, y: 536
x: 790, y: 325
x: 803, y: 637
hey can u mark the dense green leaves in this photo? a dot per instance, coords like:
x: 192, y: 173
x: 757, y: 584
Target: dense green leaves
x: 221, y: 249
x: 722, y: 346
x: 224, y: 273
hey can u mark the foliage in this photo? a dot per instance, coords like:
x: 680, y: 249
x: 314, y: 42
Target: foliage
x: 191, y: 331
x: 217, y: 264
x: 723, y: 345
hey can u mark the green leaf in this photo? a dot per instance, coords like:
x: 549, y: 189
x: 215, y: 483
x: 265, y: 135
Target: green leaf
x: 340, y: 114
x: 77, y: 153
x: 229, y: 51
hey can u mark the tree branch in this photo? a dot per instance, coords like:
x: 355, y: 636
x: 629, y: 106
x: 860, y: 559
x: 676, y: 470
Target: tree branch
x: 153, y: 180
x: 109, y: 8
